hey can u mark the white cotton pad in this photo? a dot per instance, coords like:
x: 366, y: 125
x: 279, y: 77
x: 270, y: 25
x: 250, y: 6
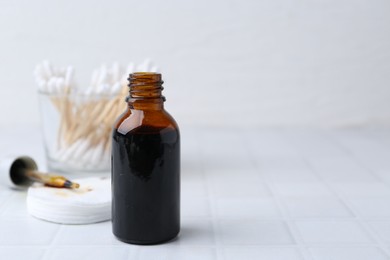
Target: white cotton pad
x: 90, y: 203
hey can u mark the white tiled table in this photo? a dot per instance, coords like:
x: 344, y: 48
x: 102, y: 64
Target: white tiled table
x: 246, y: 194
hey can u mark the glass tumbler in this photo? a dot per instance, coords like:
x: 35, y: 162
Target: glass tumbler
x: 77, y: 130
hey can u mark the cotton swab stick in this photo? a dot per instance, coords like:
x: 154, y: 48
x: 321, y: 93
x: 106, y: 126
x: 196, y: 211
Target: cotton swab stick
x: 86, y: 115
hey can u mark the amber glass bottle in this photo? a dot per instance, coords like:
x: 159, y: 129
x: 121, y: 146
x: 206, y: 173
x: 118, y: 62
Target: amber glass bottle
x: 145, y: 166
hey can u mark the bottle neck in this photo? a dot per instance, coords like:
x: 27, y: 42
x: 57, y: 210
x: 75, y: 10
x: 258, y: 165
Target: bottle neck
x: 145, y: 91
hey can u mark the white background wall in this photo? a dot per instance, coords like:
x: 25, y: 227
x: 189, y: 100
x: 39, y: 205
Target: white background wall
x: 249, y: 63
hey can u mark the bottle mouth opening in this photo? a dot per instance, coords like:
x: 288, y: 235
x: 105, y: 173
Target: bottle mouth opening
x: 137, y: 79
x: 143, y: 76
x: 145, y: 73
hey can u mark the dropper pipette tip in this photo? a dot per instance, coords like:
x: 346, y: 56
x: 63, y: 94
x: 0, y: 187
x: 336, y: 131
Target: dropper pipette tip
x: 71, y: 185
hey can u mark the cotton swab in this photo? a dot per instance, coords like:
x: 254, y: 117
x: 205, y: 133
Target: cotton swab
x: 86, y: 115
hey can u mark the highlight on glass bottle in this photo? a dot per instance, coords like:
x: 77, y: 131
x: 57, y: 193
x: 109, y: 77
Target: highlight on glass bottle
x: 145, y: 166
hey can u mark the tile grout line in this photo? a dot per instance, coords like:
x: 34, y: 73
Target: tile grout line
x: 211, y: 206
x: 52, y: 242
x: 350, y: 206
x: 292, y: 229
x: 359, y: 219
x: 358, y: 162
x: 367, y: 227
x: 290, y: 222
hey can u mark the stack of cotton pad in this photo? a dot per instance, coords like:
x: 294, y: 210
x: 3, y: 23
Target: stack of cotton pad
x: 90, y: 203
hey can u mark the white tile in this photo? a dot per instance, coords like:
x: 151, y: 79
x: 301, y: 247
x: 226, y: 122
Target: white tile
x: 384, y: 175
x: 234, y: 191
x: 242, y: 175
x: 313, y: 143
x: 340, y: 169
x: 195, y: 207
x: 348, y: 253
x: 92, y: 234
x: 214, y: 139
x: 336, y: 232
x: 4, y: 196
x: 372, y: 207
x: 189, y: 147
x: 378, y: 159
x: 191, y: 168
x: 222, y: 145
x: 373, y: 153
x: 247, y: 208
x: 285, y: 169
x: 176, y: 253
x: 382, y: 229
x: 4, y: 193
x: 192, y: 175
x: 364, y: 190
x: 282, y: 163
x: 316, y: 207
x: 190, y: 152
x: 193, y: 190
x: 347, y: 176
x: 290, y: 176
x: 303, y: 189
x: 264, y: 143
x: 88, y: 253
x: 195, y: 232
x: 253, y: 232
x: 221, y: 163
x: 240, y: 190
x: 15, y: 206
x: 277, y: 253
x: 222, y: 148
x: 19, y: 252
x: 26, y: 231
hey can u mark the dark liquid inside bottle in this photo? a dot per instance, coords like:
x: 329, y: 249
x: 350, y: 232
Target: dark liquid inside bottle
x: 146, y: 185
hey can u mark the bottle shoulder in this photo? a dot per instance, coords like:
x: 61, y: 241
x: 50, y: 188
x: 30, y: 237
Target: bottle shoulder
x: 145, y: 121
x: 172, y: 121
